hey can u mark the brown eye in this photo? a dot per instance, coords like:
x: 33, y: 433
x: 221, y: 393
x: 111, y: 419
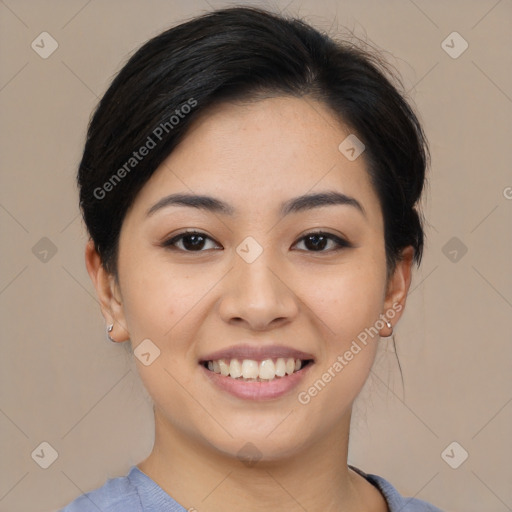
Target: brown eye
x: 191, y: 241
x: 318, y: 241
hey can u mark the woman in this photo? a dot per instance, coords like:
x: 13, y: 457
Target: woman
x: 249, y: 186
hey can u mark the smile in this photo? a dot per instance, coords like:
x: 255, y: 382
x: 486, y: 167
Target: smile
x: 248, y: 379
x: 250, y: 370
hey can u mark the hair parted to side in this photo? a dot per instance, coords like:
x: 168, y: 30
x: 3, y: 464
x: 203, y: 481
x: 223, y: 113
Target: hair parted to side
x: 245, y: 53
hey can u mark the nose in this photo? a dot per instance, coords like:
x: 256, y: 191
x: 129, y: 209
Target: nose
x: 257, y: 296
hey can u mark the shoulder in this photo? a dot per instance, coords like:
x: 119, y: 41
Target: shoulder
x: 395, y: 501
x: 135, y: 492
x: 116, y: 495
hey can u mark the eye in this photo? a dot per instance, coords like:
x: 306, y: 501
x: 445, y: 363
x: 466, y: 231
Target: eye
x: 189, y: 241
x: 317, y: 242
x: 196, y: 241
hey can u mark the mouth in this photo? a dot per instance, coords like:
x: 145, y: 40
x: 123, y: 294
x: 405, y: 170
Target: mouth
x: 251, y: 370
x: 256, y: 372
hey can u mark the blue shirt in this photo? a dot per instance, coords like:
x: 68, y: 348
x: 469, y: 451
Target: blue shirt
x: 136, y: 492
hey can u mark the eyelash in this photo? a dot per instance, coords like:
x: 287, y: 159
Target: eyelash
x: 340, y: 242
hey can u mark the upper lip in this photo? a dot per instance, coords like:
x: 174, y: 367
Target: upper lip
x: 257, y: 353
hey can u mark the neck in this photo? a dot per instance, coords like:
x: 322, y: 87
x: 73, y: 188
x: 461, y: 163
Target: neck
x: 201, y: 478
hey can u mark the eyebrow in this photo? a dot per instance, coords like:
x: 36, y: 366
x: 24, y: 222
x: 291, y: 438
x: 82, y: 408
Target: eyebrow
x: 297, y: 204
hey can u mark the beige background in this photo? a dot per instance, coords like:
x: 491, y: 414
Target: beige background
x: 64, y: 384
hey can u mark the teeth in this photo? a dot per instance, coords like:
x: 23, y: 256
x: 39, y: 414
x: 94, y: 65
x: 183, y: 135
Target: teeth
x: 235, y: 368
x: 251, y: 370
x: 290, y: 366
x: 267, y: 369
x: 224, y: 368
x: 280, y: 367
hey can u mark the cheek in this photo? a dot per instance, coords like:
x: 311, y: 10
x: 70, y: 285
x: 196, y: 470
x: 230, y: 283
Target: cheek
x: 156, y: 299
x: 348, y: 303
x: 163, y: 306
x: 347, y: 300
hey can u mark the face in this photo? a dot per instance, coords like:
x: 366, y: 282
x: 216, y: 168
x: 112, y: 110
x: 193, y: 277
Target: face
x: 265, y: 276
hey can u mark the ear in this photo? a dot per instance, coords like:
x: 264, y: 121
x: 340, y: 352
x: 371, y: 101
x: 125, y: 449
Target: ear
x: 108, y: 292
x: 398, y: 286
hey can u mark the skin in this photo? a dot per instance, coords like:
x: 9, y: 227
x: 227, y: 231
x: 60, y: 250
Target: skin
x: 192, y: 303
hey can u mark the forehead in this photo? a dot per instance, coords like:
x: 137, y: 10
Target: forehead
x: 256, y: 155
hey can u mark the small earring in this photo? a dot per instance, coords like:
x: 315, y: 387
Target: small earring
x: 109, y: 330
x: 389, y: 325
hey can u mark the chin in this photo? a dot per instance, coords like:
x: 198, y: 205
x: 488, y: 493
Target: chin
x: 259, y: 446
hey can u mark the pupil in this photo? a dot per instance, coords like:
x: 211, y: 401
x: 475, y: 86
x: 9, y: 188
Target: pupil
x: 316, y: 244
x: 197, y: 241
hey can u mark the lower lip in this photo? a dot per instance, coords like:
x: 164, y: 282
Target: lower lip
x: 257, y: 390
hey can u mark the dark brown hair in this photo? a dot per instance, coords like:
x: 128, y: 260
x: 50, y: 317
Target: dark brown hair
x: 244, y: 53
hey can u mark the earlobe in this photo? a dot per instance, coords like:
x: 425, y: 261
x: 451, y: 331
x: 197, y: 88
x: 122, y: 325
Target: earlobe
x: 108, y: 294
x: 398, y: 285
